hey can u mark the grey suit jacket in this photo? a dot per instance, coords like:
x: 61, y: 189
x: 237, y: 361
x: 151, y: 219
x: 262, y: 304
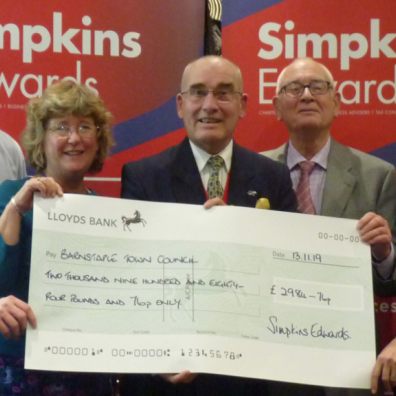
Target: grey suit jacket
x: 355, y: 184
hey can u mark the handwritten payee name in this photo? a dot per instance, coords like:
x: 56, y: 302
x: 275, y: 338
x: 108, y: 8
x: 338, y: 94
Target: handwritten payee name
x: 75, y: 255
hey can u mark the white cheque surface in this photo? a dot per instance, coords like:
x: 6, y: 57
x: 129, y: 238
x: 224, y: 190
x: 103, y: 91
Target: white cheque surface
x: 133, y: 286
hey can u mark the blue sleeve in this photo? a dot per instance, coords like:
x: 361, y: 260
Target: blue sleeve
x: 15, y: 260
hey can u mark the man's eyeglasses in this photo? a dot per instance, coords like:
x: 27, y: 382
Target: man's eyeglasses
x: 63, y: 129
x: 198, y: 94
x: 316, y: 87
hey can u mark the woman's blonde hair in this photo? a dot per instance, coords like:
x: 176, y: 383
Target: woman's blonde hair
x: 61, y: 99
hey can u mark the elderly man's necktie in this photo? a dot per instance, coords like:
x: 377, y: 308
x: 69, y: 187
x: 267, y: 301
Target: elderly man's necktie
x: 215, y: 188
x: 303, y: 191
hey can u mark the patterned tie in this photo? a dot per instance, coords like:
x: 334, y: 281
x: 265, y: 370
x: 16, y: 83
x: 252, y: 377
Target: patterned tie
x: 303, y: 191
x: 215, y: 188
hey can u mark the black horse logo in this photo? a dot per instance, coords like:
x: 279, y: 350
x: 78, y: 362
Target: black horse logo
x: 136, y: 219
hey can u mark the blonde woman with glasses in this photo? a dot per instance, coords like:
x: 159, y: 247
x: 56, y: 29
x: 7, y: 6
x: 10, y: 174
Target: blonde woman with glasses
x: 67, y: 136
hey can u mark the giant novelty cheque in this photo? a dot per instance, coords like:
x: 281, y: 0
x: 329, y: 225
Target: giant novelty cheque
x: 143, y: 287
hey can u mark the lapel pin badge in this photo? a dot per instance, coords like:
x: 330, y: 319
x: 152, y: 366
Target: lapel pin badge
x: 263, y: 203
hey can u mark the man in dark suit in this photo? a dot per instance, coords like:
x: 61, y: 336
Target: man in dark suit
x: 344, y: 182
x: 210, y: 103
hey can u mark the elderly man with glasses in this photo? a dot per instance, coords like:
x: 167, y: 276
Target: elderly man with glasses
x: 339, y: 182
x: 208, y: 166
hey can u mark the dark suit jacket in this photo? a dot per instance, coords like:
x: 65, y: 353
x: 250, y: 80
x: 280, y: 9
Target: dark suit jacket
x: 173, y: 176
